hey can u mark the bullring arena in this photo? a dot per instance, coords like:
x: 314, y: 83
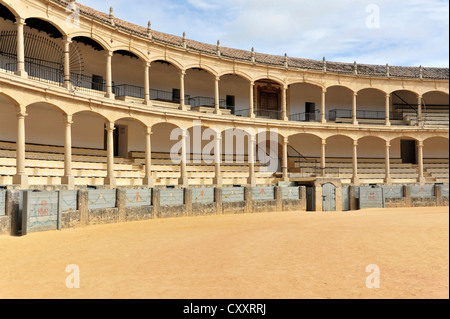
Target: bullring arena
x: 159, y: 146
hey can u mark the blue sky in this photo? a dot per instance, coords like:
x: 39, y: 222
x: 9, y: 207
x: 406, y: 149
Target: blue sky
x: 408, y: 33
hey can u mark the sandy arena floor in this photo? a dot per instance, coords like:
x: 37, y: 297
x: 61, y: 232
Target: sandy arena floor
x: 255, y: 256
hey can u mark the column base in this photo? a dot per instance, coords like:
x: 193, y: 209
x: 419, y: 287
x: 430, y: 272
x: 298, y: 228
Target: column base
x: 387, y: 123
x: 355, y: 181
x: 218, y: 182
x: 147, y: 103
x: 183, y: 181
x: 323, y: 121
x: 110, y: 96
x: 21, y: 180
x: 422, y: 181
x: 68, y: 85
x: 251, y: 181
x: 110, y: 181
x: 218, y: 112
x: 252, y: 116
x: 148, y: 181
x: 22, y: 74
x: 69, y: 181
x: 355, y: 122
x: 388, y: 181
x: 182, y: 107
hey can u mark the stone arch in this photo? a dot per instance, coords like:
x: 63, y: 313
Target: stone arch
x: 167, y: 59
x: 93, y: 37
x: 12, y: 10
x: 48, y: 22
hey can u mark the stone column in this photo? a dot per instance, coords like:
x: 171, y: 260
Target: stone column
x: 387, y: 121
x: 252, y: 106
x: 354, y: 118
x: 68, y: 178
x: 147, y: 83
x: 148, y: 179
x: 67, y: 41
x: 20, y: 48
x: 218, y: 159
x: 109, y: 88
x: 182, y: 102
x: 419, y: 109
x: 388, y: 179
x: 110, y: 179
x: 323, y: 106
x: 21, y: 177
x: 355, y: 178
x: 183, y: 181
x: 421, y: 180
x: 284, y: 115
x: 323, y: 157
x: 251, y: 161
x: 217, y: 96
x: 285, y: 160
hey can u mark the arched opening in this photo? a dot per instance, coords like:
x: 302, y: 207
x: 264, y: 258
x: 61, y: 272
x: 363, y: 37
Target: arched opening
x: 404, y: 150
x: 436, y: 159
x: 37, y: 130
x: 338, y: 98
x: 165, y: 83
x: 304, y: 102
x: 304, y: 152
x: 200, y: 86
x: 234, y: 90
x: 404, y: 105
x: 88, y: 66
x: 435, y: 108
x: 268, y: 99
x: 128, y: 75
x: 370, y: 105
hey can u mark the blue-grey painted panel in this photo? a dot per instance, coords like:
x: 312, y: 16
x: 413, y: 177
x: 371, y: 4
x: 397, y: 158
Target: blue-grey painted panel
x: 101, y: 198
x: 357, y: 191
x: 345, y: 199
x: 138, y: 197
x: 69, y: 200
x: 202, y: 195
x: 290, y: 192
x: 393, y: 191
x: 371, y: 197
x: 422, y: 191
x: 445, y: 190
x: 2, y: 203
x: 233, y: 194
x: 41, y: 212
x: 170, y: 197
x: 263, y: 193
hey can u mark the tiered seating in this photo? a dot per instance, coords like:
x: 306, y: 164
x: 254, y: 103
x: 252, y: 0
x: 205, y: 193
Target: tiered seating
x: 45, y: 166
x: 369, y: 170
x: 437, y: 169
x: 203, y: 172
x: 429, y: 116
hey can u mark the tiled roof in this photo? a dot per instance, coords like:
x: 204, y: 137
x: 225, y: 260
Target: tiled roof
x: 295, y: 63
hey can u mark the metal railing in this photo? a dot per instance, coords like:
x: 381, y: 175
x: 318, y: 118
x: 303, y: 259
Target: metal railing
x: 129, y: 90
x: 363, y: 114
x: 305, y: 117
x: 165, y: 96
x: 206, y: 101
x: 268, y: 114
x: 84, y: 83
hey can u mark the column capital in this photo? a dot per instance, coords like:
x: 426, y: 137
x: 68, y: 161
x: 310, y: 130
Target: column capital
x: 20, y: 21
x: 355, y: 93
x: 68, y: 119
x: 22, y: 114
x: 109, y: 126
x: 285, y: 140
x: 355, y: 142
x: 182, y: 72
x: 388, y: 95
x: 109, y: 53
x: 148, y: 131
x: 324, y: 141
x: 324, y: 90
x: 388, y: 144
x: 147, y: 64
x: 67, y: 39
x: 420, y: 143
x: 217, y: 78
